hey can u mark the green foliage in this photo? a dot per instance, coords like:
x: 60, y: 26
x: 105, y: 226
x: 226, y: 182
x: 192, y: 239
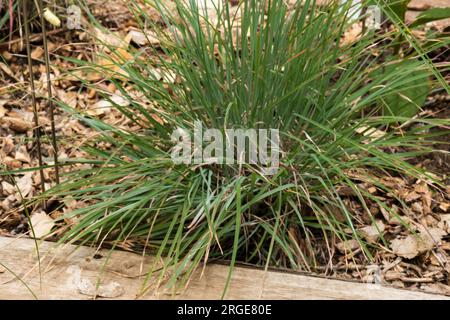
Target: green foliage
x: 398, y: 7
x: 406, y: 102
x: 431, y: 15
x: 269, y: 69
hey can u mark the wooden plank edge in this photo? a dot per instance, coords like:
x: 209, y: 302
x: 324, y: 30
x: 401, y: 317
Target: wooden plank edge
x: 73, y: 274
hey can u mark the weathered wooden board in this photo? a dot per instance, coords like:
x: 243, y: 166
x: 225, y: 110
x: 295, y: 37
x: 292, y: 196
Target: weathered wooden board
x: 69, y: 274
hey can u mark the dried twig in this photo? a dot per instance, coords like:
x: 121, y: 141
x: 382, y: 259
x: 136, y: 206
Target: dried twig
x: 37, y: 128
x: 33, y: 38
x: 40, y: 7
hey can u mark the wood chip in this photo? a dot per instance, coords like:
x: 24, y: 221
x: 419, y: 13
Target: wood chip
x: 444, y: 206
x: 412, y: 196
x: 37, y: 53
x: 2, y: 109
x: 417, y: 207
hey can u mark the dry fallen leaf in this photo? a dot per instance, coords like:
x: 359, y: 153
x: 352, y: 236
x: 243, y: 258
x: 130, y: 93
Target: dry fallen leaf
x: 142, y: 39
x: 25, y: 185
x: 167, y: 76
x: 405, y: 248
x: 414, y: 245
x: 109, y: 40
x: 12, y: 163
x: 70, y: 98
x: 8, y: 188
x: 16, y: 124
x: 421, y: 188
x: 7, y: 70
x: 22, y: 155
x: 42, y: 224
x: 100, y: 108
x: 346, y: 246
x: 352, y: 34
x: 117, y: 99
x: 413, y: 196
x: 372, y: 233
x: 430, y: 238
x: 111, y: 65
x: 417, y: 207
x: 444, y: 224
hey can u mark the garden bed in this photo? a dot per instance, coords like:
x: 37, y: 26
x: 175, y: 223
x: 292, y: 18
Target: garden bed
x: 427, y: 208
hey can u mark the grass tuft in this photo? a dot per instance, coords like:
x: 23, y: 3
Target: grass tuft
x: 260, y: 66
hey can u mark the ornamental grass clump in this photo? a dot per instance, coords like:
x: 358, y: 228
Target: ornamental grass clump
x: 256, y: 66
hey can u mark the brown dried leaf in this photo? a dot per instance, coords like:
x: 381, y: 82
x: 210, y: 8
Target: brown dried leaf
x: 421, y: 188
x: 444, y: 224
x: 406, y: 248
x: 417, y: 207
x: 436, y: 288
x: 348, y: 245
x: 100, y: 108
x: 17, y: 124
x: 7, y: 70
x: 42, y: 224
x: 372, y: 233
x: 142, y: 39
x: 7, y: 145
x: 22, y: 155
x: 25, y: 185
x: 413, y: 245
x: 412, y: 196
